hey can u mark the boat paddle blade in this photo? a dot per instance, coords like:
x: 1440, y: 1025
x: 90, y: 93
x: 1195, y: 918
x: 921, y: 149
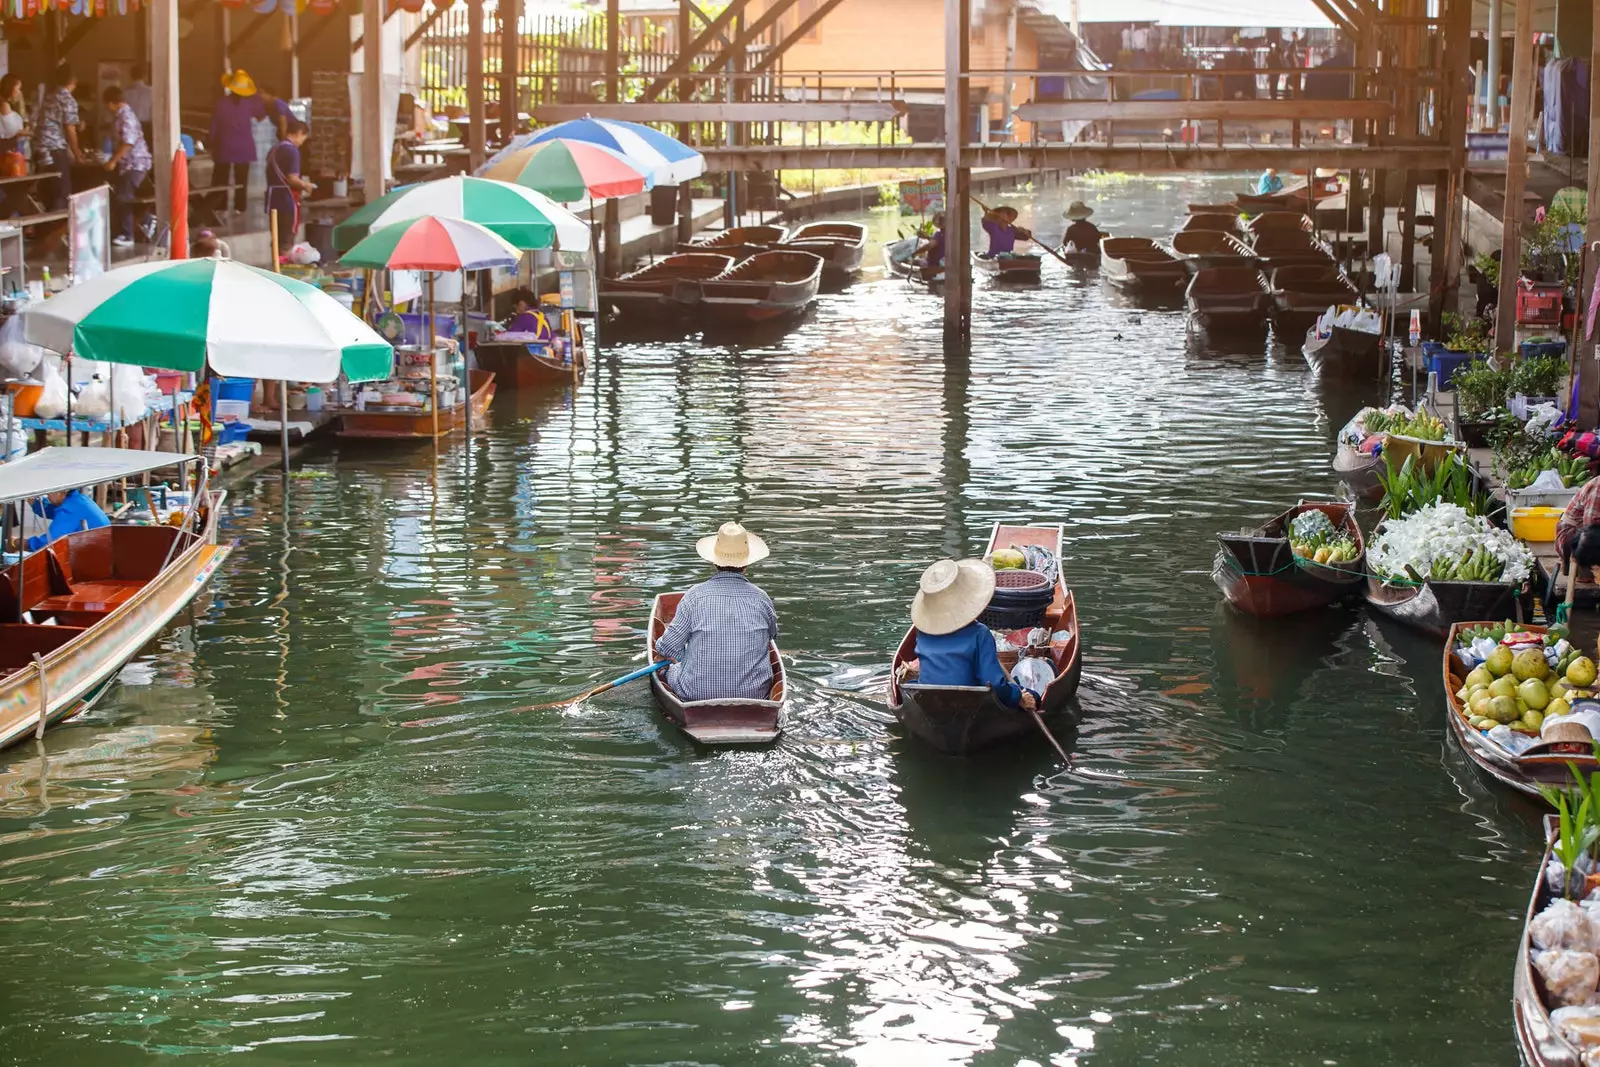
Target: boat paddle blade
x: 585, y: 695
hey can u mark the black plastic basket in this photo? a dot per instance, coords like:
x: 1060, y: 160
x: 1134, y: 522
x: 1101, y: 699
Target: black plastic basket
x: 1020, y: 601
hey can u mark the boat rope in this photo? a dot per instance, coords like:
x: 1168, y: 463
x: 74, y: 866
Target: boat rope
x: 1295, y: 563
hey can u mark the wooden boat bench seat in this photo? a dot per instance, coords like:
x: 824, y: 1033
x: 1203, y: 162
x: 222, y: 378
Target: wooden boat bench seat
x: 102, y: 596
x: 20, y: 640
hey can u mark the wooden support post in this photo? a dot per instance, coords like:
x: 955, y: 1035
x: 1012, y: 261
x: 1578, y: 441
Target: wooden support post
x: 510, y: 38
x: 1583, y: 362
x: 613, y: 224
x: 1408, y: 233
x: 374, y: 141
x: 164, y: 96
x: 685, y: 193
x: 1496, y: 37
x: 1445, y: 271
x: 1522, y: 75
x: 477, y: 133
x: 957, y: 178
x: 1377, y: 212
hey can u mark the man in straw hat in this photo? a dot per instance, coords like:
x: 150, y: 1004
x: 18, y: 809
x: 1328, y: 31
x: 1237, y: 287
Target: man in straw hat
x: 953, y: 647
x: 1082, y: 235
x: 718, y: 639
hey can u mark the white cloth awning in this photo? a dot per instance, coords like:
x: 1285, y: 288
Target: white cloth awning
x: 52, y: 470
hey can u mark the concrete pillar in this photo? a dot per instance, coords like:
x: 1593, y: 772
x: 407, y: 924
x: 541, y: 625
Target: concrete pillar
x: 164, y: 100
x: 613, y: 225
x: 1522, y: 75
x: 477, y: 132
x: 1584, y: 364
x: 373, y: 139
x: 1492, y: 73
x: 957, y: 178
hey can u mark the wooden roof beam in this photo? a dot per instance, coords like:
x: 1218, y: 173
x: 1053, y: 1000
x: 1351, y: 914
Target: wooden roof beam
x: 796, y: 36
x: 685, y: 61
x: 1336, y: 17
x: 719, y: 111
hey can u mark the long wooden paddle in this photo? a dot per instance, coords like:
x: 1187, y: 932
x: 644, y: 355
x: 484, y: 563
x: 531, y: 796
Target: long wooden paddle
x: 1035, y: 240
x: 585, y: 695
x: 1039, y: 721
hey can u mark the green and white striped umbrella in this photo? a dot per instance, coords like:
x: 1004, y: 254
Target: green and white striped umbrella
x: 184, y: 314
x: 522, y: 216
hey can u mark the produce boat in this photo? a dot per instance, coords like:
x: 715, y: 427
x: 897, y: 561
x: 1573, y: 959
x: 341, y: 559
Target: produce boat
x: 417, y: 424
x: 1009, y: 267
x: 840, y: 245
x: 1545, y: 764
x: 737, y: 241
x: 655, y: 287
x: 716, y: 722
x: 1220, y: 298
x: 1211, y: 248
x: 1434, y: 607
x: 72, y: 613
x: 1287, y: 248
x: 1140, y: 263
x: 897, y: 256
x: 1259, y: 573
x: 767, y: 286
x: 1211, y: 221
x: 1360, y: 472
x: 1280, y: 220
x: 1346, y: 353
x: 1307, y: 290
x: 960, y: 719
x: 1541, y: 1041
x: 528, y: 366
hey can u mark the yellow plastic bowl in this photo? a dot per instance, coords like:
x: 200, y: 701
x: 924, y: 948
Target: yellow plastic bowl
x: 1535, y: 524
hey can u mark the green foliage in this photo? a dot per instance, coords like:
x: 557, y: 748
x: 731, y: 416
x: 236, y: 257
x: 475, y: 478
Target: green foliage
x: 1540, y: 376
x: 1480, y: 389
x: 888, y: 194
x: 1465, y: 334
x: 1488, y: 266
x: 1411, y: 488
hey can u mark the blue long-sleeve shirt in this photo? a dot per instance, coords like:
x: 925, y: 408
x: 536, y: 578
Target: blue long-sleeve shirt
x: 966, y: 657
x: 76, y: 512
x: 1268, y: 184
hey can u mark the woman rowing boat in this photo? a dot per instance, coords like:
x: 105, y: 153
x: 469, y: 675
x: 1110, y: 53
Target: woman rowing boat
x: 953, y: 647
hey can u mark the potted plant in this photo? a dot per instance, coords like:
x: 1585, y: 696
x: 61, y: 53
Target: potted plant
x: 1480, y: 394
x: 1539, y: 379
x: 1465, y: 339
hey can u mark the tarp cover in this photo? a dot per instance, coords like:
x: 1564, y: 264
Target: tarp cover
x: 52, y: 470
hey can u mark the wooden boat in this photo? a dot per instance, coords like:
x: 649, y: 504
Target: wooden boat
x: 1280, y: 220
x: 525, y: 366
x: 1296, y: 196
x: 1211, y: 248
x: 1009, y: 268
x: 1214, y: 221
x: 768, y: 285
x: 961, y: 719
x: 717, y: 722
x: 737, y: 241
x: 1285, y: 248
x: 1088, y: 259
x: 88, y: 602
x: 1545, y: 764
x: 1359, y: 471
x: 1541, y: 1042
x: 1228, y: 298
x: 1309, y: 289
x: 1434, y: 607
x: 418, y: 424
x: 1260, y: 575
x: 655, y: 287
x: 1214, y: 209
x: 1140, y: 263
x: 841, y: 246
x: 1346, y: 353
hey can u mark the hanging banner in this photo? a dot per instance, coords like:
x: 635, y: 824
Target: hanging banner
x: 921, y: 196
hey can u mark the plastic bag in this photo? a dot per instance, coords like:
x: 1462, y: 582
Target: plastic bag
x: 94, y: 402
x: 1033, y: 673
x: 1562, y: 925
x: 1569, y: 976
x: 129, y: 391
x: 1580, y: 1025
x: 18, y: 359
x: 53, y: 399
x: 15, y: 447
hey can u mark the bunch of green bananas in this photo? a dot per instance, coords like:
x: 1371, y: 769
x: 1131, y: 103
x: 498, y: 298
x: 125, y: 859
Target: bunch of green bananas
x: 1475, y: 565
x: 1574, y: 470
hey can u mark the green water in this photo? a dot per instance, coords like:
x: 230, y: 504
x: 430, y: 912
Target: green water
x: 1274, y: 854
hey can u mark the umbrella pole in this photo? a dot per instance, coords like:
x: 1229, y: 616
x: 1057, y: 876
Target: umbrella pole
x: 283, y: 385
x: 433, y: 363
x: 466, y: 361
x: 69, y: 399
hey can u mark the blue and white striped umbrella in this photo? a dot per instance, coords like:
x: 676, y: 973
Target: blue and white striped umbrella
x: 669, y: 160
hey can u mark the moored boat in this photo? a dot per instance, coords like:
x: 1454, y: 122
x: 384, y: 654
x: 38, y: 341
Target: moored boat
x: 655, y: 287
x: 1211, y: 248
x: 1213, y: 221
x: 1346, y: 352
x: 1228, y: 298
x: 73, y: 612
x: 529, y: 366
x: 1280, y: 220
x: 1306, y: 290
x: 379, y: 423
x: 1140, y: 263
x: 1260, y: 573
x: 1210, y: 209
x: 1009, y: 267
x: 1288, y: 247
x: 958, y: 720
x: 1359, y: 471
x: 840, y: 245
x: 1434, y: 607
x: 717, y: 722
x: 1543, y: 1039
x: 737, y: 241
x: 768, y: 285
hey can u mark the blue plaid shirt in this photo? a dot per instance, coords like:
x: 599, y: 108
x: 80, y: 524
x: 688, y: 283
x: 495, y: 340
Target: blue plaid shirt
x: 718, y: 640
x: 127, y: 131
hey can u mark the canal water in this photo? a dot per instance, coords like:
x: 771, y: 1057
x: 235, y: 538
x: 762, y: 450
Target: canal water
x: 1268, y: 850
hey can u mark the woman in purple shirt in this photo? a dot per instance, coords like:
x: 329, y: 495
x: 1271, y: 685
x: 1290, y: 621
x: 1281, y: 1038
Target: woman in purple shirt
x: 233, y: 143
x: 1001, y: 225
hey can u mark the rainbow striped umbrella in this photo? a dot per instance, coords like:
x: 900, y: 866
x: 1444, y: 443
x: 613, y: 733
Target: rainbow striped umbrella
x: 432, y: 243
x: 526, y: 218
x: 669, y: 160
x: 569, y: 170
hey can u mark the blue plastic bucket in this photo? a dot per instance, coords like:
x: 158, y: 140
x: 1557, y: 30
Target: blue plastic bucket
x: 235, y: 388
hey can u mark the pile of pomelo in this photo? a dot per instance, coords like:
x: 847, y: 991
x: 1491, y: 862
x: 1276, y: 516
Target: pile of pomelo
x: 1516, y: 686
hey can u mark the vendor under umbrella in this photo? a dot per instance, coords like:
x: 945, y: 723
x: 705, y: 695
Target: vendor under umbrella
x: 528, y: 318
x: 68, y: 511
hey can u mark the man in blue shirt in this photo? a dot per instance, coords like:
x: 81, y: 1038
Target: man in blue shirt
x: 1269, y: 182
x: 953, y: 648
x: 68, y: 513
x: 717, y: 641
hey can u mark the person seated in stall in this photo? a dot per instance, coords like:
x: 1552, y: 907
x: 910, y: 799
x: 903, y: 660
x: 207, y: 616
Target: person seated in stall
x: 953, y: 647
x: 1578, y: 538
x: 931, y: 251
x: 528, y: 318
x: 1082, y: 235
x: 68, y: 511
x: 717, y: 642
x: 1269, y: 182
x: 1001, y: 225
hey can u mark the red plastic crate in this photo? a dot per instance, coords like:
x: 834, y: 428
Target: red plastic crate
x: 1538, y: 304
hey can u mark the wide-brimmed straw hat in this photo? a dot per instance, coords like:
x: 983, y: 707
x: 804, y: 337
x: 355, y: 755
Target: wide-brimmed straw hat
x: 1078, y: 210
x: 732, y: 546
x: 951, y: 594
x: 1006, y: 209
x: 239, y: 83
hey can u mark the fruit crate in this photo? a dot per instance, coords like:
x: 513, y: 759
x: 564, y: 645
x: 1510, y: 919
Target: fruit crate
x: 1538, y: 498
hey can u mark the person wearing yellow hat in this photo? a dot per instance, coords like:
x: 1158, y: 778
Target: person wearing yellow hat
x: 233, y: 141
x: 718, y: 639
x: 953, y: 647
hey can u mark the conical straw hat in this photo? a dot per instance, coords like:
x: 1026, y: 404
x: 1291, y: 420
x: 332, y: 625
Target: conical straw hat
x: 732, y: 546
x: 952, y: 594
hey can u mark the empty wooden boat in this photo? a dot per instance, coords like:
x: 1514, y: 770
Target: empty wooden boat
x: 745, y: 721
x: 1214, y: 209
x: 1288, y: 247
x: 655, y: 287
x: 767, y: 286
x: 1280, y: 220
x: 1211, y: 248
x: 1228, y: 298
x: 73, y: 612
x: 1259, y: 573
x: 960, y: 719
x: 840, y: 245
x: 738, y: 241
x: 1214, y: 221
x: 1009, y: 266
x: 381, y: 423
x: 1309, y: 289
x: 1140, y: 263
